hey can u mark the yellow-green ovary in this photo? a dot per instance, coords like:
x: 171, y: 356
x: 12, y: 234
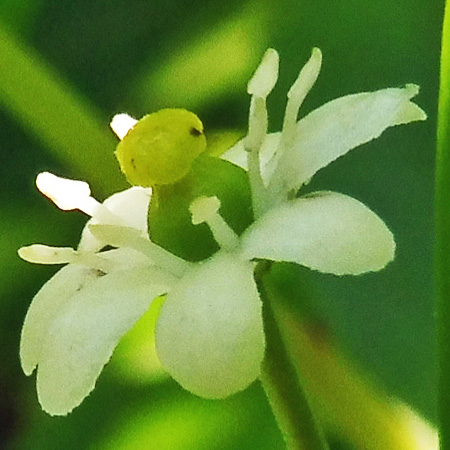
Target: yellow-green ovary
x: 161, y: 147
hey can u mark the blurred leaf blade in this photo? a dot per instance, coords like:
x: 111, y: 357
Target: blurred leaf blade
x: 215, y: 64
x: 49, y: 108
x: 20, y: 15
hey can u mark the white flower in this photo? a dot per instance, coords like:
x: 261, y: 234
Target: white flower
x: 209, y: 333
x: 77, y: 318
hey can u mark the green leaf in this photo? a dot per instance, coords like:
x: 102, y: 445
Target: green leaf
x: 442, y: 227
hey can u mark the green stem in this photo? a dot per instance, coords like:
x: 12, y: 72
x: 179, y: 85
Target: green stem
x: 281, y: 381
x: 442, y: 253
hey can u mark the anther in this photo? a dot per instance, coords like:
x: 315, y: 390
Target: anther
x: 73, y: 194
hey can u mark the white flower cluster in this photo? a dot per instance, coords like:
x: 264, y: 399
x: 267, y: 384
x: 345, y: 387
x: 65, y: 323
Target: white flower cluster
x: 209, y: 334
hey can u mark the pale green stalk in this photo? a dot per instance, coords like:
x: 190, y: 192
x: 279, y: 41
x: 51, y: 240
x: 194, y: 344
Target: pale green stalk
x: 287, y: 398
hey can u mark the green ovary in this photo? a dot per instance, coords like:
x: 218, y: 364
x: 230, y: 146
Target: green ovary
x: 161, y: 147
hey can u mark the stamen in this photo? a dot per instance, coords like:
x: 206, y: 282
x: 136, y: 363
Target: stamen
x: 100, y: 212
x: 44, y: 254
x: 265, y: 76
x: 66, y: 194
x: 205, y: 210
x: 121, y: 124
x: 257, y: 131
x: 260, y: 86
x: 257, y: 186
x: 120, y: 236
x: 73, y: 194
x: 257, y: 124
x: 298, y: 92
x: 296, y: 95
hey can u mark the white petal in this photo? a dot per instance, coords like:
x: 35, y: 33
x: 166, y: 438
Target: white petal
x: 121, y: 124
x: 209, y: 335
x: 339, y: 126
x: 129, y: 206
x: 84, y: 333
x: 237, y: 154
x: 59, y: 290
x: 46, y: 306
x: 72, y: 287
x: 326, y: 231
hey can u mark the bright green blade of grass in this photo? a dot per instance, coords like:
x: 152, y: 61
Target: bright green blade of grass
x: 443, y: 235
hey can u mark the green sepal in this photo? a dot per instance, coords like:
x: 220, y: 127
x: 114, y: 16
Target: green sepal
x: 169, y: 218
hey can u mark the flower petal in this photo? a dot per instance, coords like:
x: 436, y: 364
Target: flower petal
x: 46, y: 306
x: 339, y: 126
x: 51, y: 298
x: 325, y: 231
x: 77, y: 318
x: 209, y: 335
x: 130, y: 206
x: 121, y: 124
x: 83, y: 335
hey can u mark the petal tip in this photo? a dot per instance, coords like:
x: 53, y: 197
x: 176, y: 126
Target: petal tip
x: 316, y: 53
x: 121, y: 124
x: 27, y: 366
x: 412, y: 89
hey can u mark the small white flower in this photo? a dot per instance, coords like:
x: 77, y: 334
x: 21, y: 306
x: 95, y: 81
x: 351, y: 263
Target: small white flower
x: 77, y: 318
x: 209, y: 334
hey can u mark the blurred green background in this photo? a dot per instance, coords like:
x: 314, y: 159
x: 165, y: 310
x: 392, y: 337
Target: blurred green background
x: 67, y: 67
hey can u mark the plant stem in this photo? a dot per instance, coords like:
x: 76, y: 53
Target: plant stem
x: 280, y: 380
x: 442, y: 251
